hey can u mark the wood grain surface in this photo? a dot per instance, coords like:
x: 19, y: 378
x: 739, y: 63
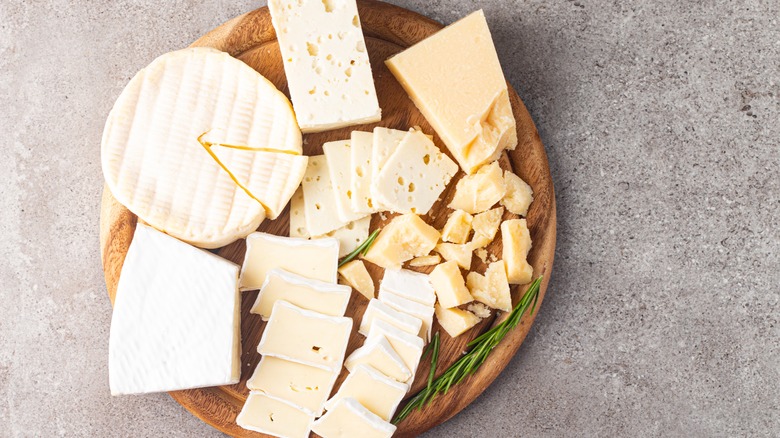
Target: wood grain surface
x: 388, y: 29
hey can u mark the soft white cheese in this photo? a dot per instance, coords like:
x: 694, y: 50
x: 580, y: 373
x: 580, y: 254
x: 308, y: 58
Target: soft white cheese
x: 349, y: 419
x: 318, y: 296
x: 379, y: 310
x: 303, y: 385
x: 273, y: 416
x: 411, y: 285
x: 380, y: 354
x: 377, y: 392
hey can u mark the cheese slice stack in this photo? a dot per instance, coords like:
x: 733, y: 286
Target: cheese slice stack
x: 176, y: 318
x: 211, y: 193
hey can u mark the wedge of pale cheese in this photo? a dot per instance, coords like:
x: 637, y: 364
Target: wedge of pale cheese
x: 306, y: 386
x: 338, y: 157
x: 385, y: 142
x: 326, y: 63
x: 350, y: 236
x: 273, y: 416
x: 170, y: 294
x: 318, y: 296
x: 455, y: 79
x: 154, y: 164
x: 319, y: 198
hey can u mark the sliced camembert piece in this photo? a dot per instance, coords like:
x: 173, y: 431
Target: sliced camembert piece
x: 314, y: 259
x: 361, y: 164
x: 273, y: 416
x: 374, y: 390
x: 326, y: 63
x: 414, y: 176
x: 305, y: 386
x: 170, y: 293
x: 305, y: 337
x: 409, y: 307
x: 349, y: 419
x: 380, y: 354
x: 411, y: 285
x: 318, y: 296
x: 356, y: 275
x: 154, y: 165
x: 338, y: 156
x: 476, y: 121
x: 405, y: 237
x: 379, y: 310
x: 409, y: 347
x: 319, y: 198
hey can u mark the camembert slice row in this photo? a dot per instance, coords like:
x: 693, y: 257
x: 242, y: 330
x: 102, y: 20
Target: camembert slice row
x: 380, y: 354
x: 326, y: 63
x: 374, y: 390
x: 318, y: 296
x: 306, y: 337
x: 414, y: 176
x: 154, y: 164
x: 476, y: 122
x: 362, y: 176
x: 409, y: 347
x: 409, y: 307
x: 273, y: 416
x: 349, y: 419
x: 338, y: 156
x: 314, y: 259
x: 170, y: 293
x: 379, y: 310
x: 411, y: 285
x: 305, y: 386
x: 319, y: 198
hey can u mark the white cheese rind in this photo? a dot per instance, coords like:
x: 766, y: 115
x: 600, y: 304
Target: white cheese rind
x: 411, y: 285
x: 315, y: 259
x: 408, y: 346
x: 326, y: 63
x: 409, y: 307
x: 349, y: 419
x: 379, y: 310
x: 319, y: 198
x: 414, y: 176
x: 154, y: 165
x: 361, y: 175
x: 317, y: 296
x: 372, y: 389
x: 168, y: 294
x: 338, y: 156
x: 306, y: 337
x: 305, y: 386
x: 273, y: 416
x: 380, y: 354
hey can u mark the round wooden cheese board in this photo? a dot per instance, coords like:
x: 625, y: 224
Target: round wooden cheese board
x: 388, y: 29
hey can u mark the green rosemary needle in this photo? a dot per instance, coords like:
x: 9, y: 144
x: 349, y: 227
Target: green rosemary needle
x: 360, y: 250
x: 468, y: 364
x: 433, y: 348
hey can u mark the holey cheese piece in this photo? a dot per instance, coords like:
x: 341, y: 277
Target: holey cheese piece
x: 314, y: 259
x: 350, y: 236
x: 319, y: 198
x: 155, y: 166
x: 326, y: 63
x: 306, y: 337
x: 176, y: 318
x: 377, y: 392
x: 347, y: 418
x: 414, y: 176
x: 476, y: 121
x: 319, y: 296
x: 338, y: 156
x: 303, y: 385
x: 297, y: 216
x: 361, y: 177
x: 273, y: 416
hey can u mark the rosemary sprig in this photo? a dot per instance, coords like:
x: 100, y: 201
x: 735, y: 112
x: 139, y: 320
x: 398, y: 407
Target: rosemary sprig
x: 468, y: 364
x: 432, y: 348
x: 360, y: 250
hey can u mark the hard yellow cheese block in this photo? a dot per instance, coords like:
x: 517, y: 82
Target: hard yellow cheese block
x: 455, y: 79
x: 517, y: 243
x: 449, y: 285
x: 459, y: 253
x: 519, y: 194
x: 457, y: 228
x: 405, y: 237
x: 480, y: 191
x: 455, y: 321
x: 492, y: 288
x: 274, y: 416
x: 485, y: 227
x: 356, y: 276
x: 305, y: 386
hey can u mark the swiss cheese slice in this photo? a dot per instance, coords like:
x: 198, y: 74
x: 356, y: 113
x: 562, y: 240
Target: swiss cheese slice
x: 338, y: 156
x: 319, y: 198
x: 154, y: 164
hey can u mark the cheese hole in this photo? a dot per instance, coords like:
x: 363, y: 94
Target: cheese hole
x: 367, y: 92
x: 315, y: 348
x: 400, y: 180
x: 359, y: 171
x: 313, y: 90
x: 411, y: 187
x: 427, y: 158
x: 414, y: 210
x: 352, y: 62
x: 329, y: 6
x: 271, y: 417
x: 370, y: 203
x: 289, y: 59
x: 410, y: 199
x: 329, y: 57
x: 327, y: 93
x: 312, y: 48
x: 349, y: 194
x: 317, y: 206
x: 289, y: 6
x: 318, y: 70
x: 330, y: 36
x: 350, y: 225
x: 361, y: 46
x: 341, y: 35
x: 348, y: 72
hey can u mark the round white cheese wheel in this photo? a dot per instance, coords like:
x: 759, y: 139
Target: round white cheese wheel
x: 154, y: 164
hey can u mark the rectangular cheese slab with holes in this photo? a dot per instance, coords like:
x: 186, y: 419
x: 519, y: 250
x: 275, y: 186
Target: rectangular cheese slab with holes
x: 318, y: 296
x: 273, y: 416
x: 319, y: 198
x: 326, y: 63
x: 303, y: 385
x: 350, y: 236
x: 338, y: 156
x: 374, y: 390
x: 414, y: 176
x: 314, y: 259
x: 360, y: 163
x: 350, y: 419
x: 409, y: 284
x: 169, y: 294
x: 379, y: 310
x: 409, y: 347
x: 298, y: 216
x: 455, y: 79
x: 306, y: 337
x: 385, y: 142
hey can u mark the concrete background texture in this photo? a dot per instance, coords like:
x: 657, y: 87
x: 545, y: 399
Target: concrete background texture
x: 662, y: 124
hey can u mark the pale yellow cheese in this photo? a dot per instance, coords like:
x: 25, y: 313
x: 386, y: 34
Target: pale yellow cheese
x: 380, y: 354
x: 519, y: 194
x: 428, y: 260
x: 350, y: 419
x: 478, y: 309
x: 517, y: 243
x: 315, y: 259
x: 298, y: 216
x: 482, y: 254
x: 305, y: 337
x: 457, y: 228
x: 448, y: 283
x: 455, y: 321
x: 491, y: 289
x: 455, y: 79
x: 410, y: 307
x: 318, y: 296
x: 377, y: 392
x: 274, y: 416
x: 455, y: 252
x: 306, y: 386
x: 408, y: 346
x: 485, y: 227
x: 357, y: 277
x: 350, y: 236
x: 405, y: 237
x: 480, y: 191
x: 379, y: 310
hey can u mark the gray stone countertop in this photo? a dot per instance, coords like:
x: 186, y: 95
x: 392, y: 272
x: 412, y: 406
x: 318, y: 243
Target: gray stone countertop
x: 662, y: 124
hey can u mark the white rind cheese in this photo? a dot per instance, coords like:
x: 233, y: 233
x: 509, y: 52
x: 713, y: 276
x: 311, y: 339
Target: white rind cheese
x: 409, y: 347
x: 314, y: 259
x: 326, y: 63
x: 380, y: 354
x: 273, y: 416
x: 411, y: 285
x: 318, y: 296
x: 305, y: 386
x: 409, y: 307
x: 375, y: 391
x: 379, y: 310
x: 170, y: 293
x: 154, y: 165
x: 349, y: 419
